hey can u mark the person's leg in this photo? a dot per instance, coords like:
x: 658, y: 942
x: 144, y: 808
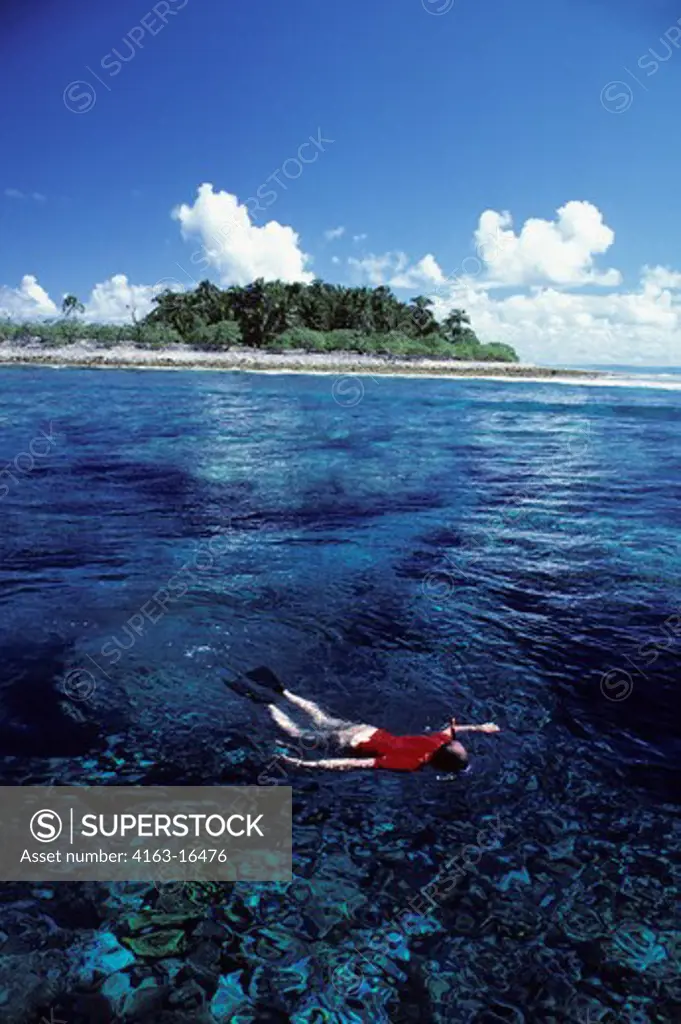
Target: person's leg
x: 354, y: 734
x: 284, y: 722
x: 342, y: 734
x: 319, y: 717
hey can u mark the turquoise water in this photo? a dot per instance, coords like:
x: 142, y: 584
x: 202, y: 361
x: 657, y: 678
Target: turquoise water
x: 401, y: 552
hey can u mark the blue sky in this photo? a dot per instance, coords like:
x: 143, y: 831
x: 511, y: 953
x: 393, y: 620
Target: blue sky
x: 438, y: 112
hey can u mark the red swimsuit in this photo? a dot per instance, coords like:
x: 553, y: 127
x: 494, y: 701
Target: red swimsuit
x: 402, y: 753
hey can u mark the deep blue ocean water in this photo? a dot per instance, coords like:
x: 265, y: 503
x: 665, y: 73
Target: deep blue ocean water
x: 400, y: 553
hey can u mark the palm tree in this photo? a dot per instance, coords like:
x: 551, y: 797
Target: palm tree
x: 134, y: 319
x: 71, y: 304
x: 423, y: 321
x: 362, y: 319
x: 263, y: 310
x: 69, y: 307
x: 456, y: 326
x: 387, y: 310
x: 317, y: 305
x: 173, y: 309
x: 207, y: 301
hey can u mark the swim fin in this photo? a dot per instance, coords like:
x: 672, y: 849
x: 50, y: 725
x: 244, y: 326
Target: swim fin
x: 250, y: 690
x: 265, y: 677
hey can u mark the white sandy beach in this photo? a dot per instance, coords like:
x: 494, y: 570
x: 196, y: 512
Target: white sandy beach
x: 334, y: 363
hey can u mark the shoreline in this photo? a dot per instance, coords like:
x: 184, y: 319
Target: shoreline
x: 252, y: 361
x: 330, y: 364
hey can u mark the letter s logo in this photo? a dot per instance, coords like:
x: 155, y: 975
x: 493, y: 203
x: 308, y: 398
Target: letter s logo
x: 46, y: 826
x: 617, y: 97
x: 79, y: 97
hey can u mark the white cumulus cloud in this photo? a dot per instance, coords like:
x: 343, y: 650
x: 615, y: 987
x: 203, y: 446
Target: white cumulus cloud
x: 377, y: 270
x: 393, y: 269
x: 549, y: 325
x: 334, y: 233
x: 560, y: 251
x: 554, y: 315
x: 111, y: 301
x: 659, y: 279
x: 236, y: 249
x: 27, y: 301
x: 115, y: 300
x: 549, y: 310
x: 426, y: 273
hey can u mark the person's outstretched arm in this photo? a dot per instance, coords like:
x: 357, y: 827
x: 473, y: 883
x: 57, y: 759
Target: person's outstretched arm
x: 340, y: 764
x: 485, y: 727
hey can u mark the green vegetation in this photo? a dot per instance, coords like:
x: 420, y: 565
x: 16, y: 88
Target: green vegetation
x: 68, y: 331
x: 278, y: 317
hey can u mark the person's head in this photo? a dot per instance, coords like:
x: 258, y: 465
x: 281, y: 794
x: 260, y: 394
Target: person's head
x: 452, y: 757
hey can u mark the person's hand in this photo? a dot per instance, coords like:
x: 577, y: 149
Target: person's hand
x: 489, y: 727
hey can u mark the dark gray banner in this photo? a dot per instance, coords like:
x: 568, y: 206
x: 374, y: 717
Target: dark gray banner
x: 145, y: 833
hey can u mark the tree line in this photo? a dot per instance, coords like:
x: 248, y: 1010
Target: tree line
x: 276, y: 316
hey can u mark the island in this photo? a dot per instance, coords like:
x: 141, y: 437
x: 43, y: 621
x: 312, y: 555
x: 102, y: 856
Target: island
x: 270, y: 325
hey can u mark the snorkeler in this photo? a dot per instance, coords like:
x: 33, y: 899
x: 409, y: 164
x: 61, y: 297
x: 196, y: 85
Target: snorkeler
x: 366, y: 745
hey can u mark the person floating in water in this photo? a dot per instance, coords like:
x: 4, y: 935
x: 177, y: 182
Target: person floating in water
x: 365, y: 746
